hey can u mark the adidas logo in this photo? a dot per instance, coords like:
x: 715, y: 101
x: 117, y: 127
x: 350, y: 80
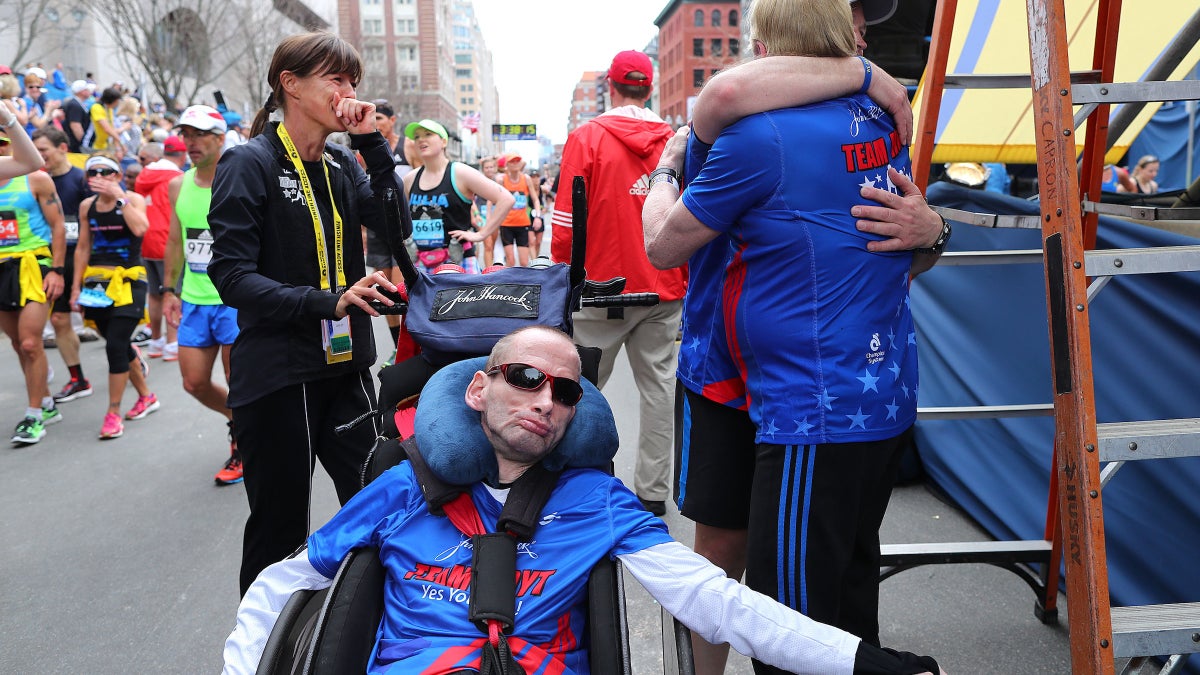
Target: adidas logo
x: 641, y: 186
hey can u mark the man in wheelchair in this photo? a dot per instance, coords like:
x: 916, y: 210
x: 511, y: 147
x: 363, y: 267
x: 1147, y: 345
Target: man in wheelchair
x: 525, y: 400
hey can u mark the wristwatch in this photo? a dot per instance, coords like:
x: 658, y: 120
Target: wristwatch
x: 664, y: 174
x: 60, y: 271
x: 943, y: 238
x: 167, y: 289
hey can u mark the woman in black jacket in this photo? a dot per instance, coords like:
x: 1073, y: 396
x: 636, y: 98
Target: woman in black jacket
x: 287, y: 253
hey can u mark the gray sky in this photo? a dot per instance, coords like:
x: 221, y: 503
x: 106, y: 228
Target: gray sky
x: 540, y: 48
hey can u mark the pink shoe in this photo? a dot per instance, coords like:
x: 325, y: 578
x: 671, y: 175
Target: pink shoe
x: 144, y: 406
x: 112, y: 427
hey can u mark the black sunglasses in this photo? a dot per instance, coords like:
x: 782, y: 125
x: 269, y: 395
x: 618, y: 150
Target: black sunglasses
x: 529, y: 378
x: 101, y: 172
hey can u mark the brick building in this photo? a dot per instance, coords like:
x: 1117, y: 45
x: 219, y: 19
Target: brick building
x: 696, y: 39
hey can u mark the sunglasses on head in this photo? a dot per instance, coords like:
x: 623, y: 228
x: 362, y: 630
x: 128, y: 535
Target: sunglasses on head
x: 101, y: 172
x: 529, y: 378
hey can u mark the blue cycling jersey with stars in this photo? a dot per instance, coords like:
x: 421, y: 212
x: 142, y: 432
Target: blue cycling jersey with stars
x: 819, y: 327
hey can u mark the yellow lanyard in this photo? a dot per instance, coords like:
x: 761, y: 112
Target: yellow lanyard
x: 322, y: 255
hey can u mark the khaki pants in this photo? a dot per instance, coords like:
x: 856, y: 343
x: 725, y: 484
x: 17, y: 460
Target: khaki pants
x: 648, y: 334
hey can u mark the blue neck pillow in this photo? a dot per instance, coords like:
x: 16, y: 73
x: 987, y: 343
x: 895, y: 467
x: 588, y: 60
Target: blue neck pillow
x: 454, y: 446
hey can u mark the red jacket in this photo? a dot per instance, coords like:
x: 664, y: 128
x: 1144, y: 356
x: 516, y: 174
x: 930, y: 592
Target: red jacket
x: 152, y: 184
x: 615, y: 154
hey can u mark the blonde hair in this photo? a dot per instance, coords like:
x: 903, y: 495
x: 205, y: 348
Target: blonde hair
x: 1146, y: 160
x: 129, y: 107
x: 9, y: 87
x: 803, y: 27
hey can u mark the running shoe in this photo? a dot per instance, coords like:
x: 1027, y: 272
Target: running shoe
x: 391, y: 360
x: 154, y: 348
x: 142, y: 361
x: 51, y: 416
x: 112, y: 427
x: 141, y: 336
x: 144, y: 406
x: 49, y: 342
x: 86, y: 334
x: 74, y: 389
x: 29, y: 431
x: 170, y: 351
x: 231, y: 473
x: 49, y: 373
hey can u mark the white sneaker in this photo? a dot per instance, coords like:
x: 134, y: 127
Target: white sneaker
x: 170, y: 351
x: 154, y: 348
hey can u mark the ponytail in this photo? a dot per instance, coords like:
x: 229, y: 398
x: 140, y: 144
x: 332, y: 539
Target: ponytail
x: 263, y: 116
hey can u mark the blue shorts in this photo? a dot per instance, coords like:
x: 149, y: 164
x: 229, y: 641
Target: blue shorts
x: 207, y: 325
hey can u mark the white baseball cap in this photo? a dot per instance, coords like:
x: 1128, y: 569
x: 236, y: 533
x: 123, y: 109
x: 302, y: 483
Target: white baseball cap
x: 877, y: 11
x: 204, y: 118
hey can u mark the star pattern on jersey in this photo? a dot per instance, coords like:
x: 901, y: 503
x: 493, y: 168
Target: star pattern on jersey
x: 892, y: 409
x: 912, y: 339
x: 895, y: 370
x: 825, y: 400
x: 868, y: 381
x: 771, y: 428
x: 803, y: 427
x: 891, y: 339
x: 904, y: 388
x: 868, y: 182
x: 858, y: 420
x: 694, y: 344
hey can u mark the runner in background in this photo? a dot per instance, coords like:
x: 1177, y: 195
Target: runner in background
x: 71, y: 186
x: 487, y: 166
x: 31, y: 259
x: 205, y: 325
x: 110, y: 284
x: 440, y: 197
x: 514, y: 231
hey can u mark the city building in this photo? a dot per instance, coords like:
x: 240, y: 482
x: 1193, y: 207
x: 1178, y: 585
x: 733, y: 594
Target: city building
x: 696, y: 39
x: 587, y: 101
x: 407, y: 52
x: 474, y: 80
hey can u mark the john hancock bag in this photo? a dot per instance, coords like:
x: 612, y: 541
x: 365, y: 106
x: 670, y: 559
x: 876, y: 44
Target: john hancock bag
x: 455, y: 316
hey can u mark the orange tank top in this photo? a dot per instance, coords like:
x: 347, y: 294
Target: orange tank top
x: 519, y: 215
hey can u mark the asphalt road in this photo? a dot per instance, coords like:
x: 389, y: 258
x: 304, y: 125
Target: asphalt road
x: 121, y: 556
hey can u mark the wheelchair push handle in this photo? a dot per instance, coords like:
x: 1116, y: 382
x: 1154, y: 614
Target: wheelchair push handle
x: 623, y: 300
x: 398, y: 309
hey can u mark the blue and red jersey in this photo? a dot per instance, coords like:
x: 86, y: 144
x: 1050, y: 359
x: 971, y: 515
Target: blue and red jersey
x: 818, y: 327
x: 428, y: 561
x: 706, y: 366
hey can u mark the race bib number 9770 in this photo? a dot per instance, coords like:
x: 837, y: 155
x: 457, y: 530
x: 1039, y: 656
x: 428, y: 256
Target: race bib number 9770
x: 197, y: 246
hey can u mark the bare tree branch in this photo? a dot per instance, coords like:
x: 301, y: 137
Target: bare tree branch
x: 28, y: 16
x: 179, y: 48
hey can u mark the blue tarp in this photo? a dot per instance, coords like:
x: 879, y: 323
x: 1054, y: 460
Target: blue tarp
x: 984, y: 341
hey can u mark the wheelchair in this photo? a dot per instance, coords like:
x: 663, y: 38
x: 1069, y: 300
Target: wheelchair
x: 333, y: 630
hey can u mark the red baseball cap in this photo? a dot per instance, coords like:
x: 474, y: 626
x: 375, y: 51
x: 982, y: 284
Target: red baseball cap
x: 631, y: 61
x: 5, y: 70
x: 174, y: 144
